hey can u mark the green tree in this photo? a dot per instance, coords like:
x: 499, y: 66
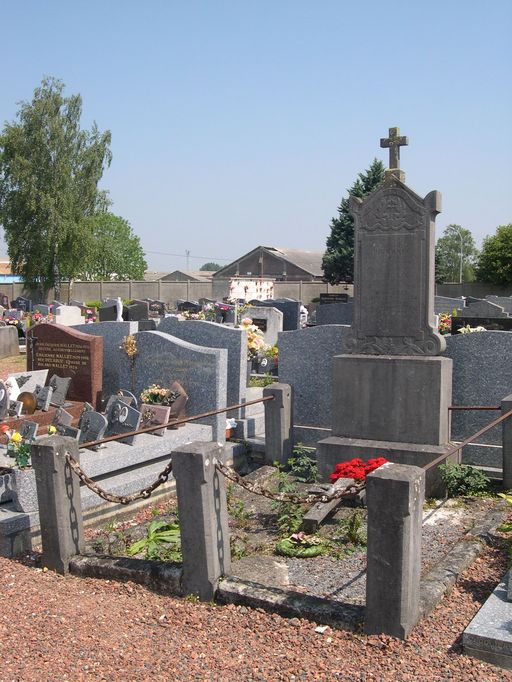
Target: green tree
x: 211, y: 266
x: 49, y: 174
x: 113, y: 251
x: 338, y: 260
x: 455, y: 248
x: 495, y: 261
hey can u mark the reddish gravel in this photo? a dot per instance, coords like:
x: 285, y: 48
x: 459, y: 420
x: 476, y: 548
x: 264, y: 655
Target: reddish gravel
x: 67, y: 628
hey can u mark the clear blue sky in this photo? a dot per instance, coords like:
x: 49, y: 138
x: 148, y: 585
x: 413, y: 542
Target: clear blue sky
x: 238, y: 123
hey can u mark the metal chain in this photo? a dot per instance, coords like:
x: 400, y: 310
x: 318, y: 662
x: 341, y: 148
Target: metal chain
x: 257, y: 489
x: 119, y: 499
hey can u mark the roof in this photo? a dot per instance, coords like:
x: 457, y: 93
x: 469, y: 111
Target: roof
x: 180, y: 275
x: 5, y: 266
x: 309, y: 261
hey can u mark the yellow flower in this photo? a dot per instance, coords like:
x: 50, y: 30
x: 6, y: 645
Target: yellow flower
x: 52, y: 430
x: 16, y: 437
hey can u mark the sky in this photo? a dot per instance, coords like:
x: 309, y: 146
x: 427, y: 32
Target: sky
x: 237, y: 124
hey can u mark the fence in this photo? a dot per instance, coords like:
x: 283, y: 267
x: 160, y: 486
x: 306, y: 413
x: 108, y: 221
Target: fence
x: 394, y: 496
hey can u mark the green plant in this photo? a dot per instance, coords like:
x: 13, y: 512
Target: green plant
x: 352, y: 529
x: 261, y: 382
x: 289, y: 515
x: 302, y: 465
x: 162, y: 541
x: 463, y: 480
x: 236, y: 507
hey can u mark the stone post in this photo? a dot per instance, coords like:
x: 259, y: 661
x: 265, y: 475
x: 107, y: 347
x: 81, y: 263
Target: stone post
x: 203, y: 518
x: 278, y: 423
x: 394, y: 494
x: 506, y: 406
x: 60, y: 507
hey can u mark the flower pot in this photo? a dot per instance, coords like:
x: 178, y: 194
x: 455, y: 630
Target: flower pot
x: 230, y: 433
x: 24, y: 490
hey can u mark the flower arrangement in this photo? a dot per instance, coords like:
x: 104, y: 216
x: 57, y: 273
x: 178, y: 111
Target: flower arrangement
x: 445, y: 323
x: 468, y: 329
x: 300, y: 545
x: 255, y: 338
x: 90, y: 316
x: 156, y: 395
x: 129, y: 346
x: 356, y: 468
x: 17, y: 447
x: 188, y: 315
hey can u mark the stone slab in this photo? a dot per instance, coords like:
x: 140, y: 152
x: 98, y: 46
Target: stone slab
x: 390, y: 398
x: 489, y: 637
x: 306, y: 363
x: 335, y: 313
x: 504, y: 301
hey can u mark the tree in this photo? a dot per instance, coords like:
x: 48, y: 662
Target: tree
x: 338, y: 260
x: 113, y: 251
x: 495, y: 261
x: 211, y: 267
x: 49, y: 174
x: 454, y: 249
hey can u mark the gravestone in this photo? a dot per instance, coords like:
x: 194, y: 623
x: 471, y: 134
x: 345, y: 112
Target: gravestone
x: 108, y: 312
x: 4, y: 400
x: 135, y: 311
x: 391, y: 389
x: 21, y: 303
x: 149, y: 325
x: 306, y: 363
x: 333, y: 298
x: 156, y: 307
x: 446, y: 304
x: 483, y: 308
x: 188, y: 306
x: 202, y: 372
x: 335, y: 313
x: 80, y: 304
x: 42, y: 308
x: 92, y: 427
x: 213, y: 335
x: 290, y: 310
x: 68, y: 315
x: 504, y: 301
x: 114, y: 357
x: 60, y: 386
x: 122, y: 418
x: 268, y: 319
x: 68, y: 353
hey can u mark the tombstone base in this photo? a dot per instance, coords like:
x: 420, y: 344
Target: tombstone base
x: 335, y: 449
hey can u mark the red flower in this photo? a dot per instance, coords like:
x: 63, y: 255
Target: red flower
x: 356, y: 468
x: 4, y: 428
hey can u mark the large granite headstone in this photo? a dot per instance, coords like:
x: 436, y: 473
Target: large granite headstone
x: 290, y: 310
x: 135, y: 311
x: 68, y: 353
x: 391, y: 389
x: 213, y: 335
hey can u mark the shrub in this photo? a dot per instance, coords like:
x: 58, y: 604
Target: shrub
x: 463, y: 480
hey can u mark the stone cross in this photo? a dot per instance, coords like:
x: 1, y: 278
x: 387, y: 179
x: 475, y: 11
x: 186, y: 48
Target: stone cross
x: 394, y: 142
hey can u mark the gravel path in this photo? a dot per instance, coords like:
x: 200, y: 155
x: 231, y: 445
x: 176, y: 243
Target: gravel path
x: 55, y: 628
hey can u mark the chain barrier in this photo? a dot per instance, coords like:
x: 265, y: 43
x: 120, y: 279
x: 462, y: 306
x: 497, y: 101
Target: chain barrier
x: 257, y: 489
x: 118, y: 499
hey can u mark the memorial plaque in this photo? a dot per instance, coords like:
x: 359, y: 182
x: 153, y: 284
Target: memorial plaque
x: 70, y: 431
x: 179, y: 404
x: 27, y: 381
x: 60, y: 387
x: 15, y: 408
x: 92, y: 427
x: 152, y: 415
x: 333, y: 298
x: 122, y: 418
x: 62, y: 417
x: 67, y: 352
x: 28, y: 430
x: 44, y: 398
x: 128, y: 397
x: 260, y: 323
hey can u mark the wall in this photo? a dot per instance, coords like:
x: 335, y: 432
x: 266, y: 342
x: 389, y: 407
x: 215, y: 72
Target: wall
x: 476, y: 289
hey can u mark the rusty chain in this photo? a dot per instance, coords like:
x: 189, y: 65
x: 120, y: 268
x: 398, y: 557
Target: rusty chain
x: 119, y: 499
x: 257, y: 489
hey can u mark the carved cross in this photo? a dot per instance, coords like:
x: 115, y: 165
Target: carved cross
x: 394, y: 142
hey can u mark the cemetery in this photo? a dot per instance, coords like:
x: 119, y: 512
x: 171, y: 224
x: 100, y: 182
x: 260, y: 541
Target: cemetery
x: 299, y: 463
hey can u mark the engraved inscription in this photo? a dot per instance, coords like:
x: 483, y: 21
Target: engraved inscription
x: 66, y: 356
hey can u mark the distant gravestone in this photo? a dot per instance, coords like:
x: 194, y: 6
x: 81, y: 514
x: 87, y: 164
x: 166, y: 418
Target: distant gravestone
x: 4, y: 301
x: 484, y: 308
x: 24, y: 304
x: 121, y: 419
x: 108, y: 312
x: 268, y: 319
x: 156, y: 307
x: 335, y: 313
x: 446, y: 304
x: 290, y: 310
x: 333, y: 298
x: 135, y: 311
x: 68, y: 315
x: 149, y: 325
x: 42, y: 308
x: 68, y: 353
x: 188, y: 306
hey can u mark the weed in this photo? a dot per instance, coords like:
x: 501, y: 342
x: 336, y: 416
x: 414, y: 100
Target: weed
x: 262, y: 381
x: 303, y: 465
x: 289, y: 515
x: 463, y: 480
x: 162, y: 542
x: 352, y: 529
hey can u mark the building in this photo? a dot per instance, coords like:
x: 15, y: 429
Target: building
x: 271, y: 263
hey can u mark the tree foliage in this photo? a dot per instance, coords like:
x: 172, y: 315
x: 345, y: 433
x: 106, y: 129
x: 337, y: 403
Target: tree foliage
x: 210, y: 266
x: 49, y: 174
x: 113, y: 251
x: 495, y: 261
x: 455, y: 242
x: 338, y: 260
